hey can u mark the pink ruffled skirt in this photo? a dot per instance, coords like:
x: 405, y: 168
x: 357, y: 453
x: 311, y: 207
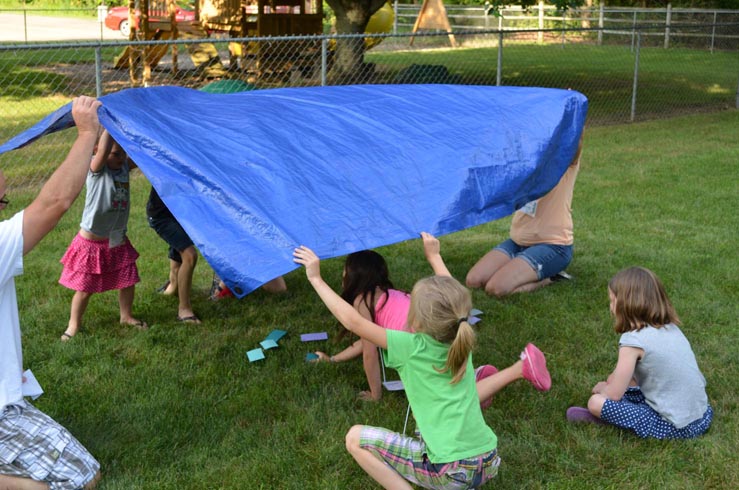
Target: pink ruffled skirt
x: 93, y: 267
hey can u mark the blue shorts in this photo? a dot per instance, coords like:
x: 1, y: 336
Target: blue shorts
x: 546, y: 259
x: 632, y: 412
x: 172, y: 233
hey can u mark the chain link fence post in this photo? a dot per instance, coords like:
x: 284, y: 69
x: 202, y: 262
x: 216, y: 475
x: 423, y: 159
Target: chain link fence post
x: 324, y: 61
x: 499, y: 69
x: 98, y: 71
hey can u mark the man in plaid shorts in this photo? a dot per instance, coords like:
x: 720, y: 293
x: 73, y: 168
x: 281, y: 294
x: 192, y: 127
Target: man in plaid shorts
x: 35, y: 451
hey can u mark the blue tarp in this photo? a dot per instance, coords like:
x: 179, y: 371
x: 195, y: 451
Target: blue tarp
x: 252, y: 175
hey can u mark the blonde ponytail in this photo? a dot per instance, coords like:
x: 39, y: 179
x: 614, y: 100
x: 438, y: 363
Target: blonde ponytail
x: 439, y: 308
x: 459, y: 352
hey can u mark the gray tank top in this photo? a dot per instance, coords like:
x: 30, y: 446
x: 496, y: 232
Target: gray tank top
x: 107, y: 204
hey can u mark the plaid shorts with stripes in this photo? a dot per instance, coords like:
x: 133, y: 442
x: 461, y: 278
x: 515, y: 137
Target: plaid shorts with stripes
x: 33, y: 445
x: 407, y: 456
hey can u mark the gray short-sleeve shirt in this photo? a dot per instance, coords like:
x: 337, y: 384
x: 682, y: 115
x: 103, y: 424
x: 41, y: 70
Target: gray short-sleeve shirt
x: 668, y: 373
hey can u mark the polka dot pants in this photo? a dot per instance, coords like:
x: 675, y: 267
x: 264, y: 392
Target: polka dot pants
x: 632, y: 412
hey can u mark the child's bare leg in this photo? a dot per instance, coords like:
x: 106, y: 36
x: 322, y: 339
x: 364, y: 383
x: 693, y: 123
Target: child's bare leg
x: 174, y: 269
x: 184, y: 283
x: 371, y: 361
x: 93, y: 483
x: 378, y: 470
x: 8, y: 482
x: 276, y: 285
x: 595, y: 404
x: 80, y: 301
x: 125, y: 302
x: 491, y: 385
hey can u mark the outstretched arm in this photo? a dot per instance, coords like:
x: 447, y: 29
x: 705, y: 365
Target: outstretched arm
x: 65, y: 184
x: 354, y: 350
x: 343, y: 311
x: 432, y: 249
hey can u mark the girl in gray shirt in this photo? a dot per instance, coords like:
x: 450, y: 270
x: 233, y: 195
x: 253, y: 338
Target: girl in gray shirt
x: 656, y: 389
x: 101, y: 258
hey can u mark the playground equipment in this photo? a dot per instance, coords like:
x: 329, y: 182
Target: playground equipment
x: 161, y: 24
x: 235, y: 18
x: 433, y: 16
x: 380, y: 23
x: 238, y: 19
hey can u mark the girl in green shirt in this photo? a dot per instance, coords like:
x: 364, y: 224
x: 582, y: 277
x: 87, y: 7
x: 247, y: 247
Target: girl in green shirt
x: 458, y: 450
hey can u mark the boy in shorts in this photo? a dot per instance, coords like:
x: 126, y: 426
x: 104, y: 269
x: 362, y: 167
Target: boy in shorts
x: 183, y: 257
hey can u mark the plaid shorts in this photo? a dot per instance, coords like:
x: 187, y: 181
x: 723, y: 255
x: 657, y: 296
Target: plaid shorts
x: 33, y: 445
x: 407, y: 456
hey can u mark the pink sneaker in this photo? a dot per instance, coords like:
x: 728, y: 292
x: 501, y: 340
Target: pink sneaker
x: 483, y: 372
x: 581, y: 414
x: 535, y: 368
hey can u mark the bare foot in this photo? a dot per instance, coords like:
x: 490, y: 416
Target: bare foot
x: 167, y: 289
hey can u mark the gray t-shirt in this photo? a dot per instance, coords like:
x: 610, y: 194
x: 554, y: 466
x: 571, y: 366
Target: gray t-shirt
x: 668, y: 373
x: 107, y: 204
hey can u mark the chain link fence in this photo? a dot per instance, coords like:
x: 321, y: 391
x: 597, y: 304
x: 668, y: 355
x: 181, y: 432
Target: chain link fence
x: 626, y: 77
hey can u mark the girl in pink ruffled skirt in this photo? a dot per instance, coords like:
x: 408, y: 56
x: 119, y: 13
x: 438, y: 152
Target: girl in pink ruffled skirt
x: 101, y: 258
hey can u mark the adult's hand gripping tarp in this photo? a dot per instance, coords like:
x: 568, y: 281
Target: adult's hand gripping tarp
x: 252, y: 175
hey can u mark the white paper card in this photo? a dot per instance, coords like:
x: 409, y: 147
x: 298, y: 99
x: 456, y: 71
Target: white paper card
x: 31, y: 387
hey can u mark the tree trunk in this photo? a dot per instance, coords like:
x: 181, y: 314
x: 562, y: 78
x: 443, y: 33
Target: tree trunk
x: 352, y: 17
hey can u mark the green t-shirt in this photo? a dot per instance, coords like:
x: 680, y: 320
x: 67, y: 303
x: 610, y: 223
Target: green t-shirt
x: 447, y: 415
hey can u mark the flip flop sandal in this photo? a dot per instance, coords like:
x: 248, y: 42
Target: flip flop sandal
x: 139, y: 324
x: 188, y: 319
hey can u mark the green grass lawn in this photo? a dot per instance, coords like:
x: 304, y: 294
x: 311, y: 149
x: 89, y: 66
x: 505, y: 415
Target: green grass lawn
x: 179, y: 406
